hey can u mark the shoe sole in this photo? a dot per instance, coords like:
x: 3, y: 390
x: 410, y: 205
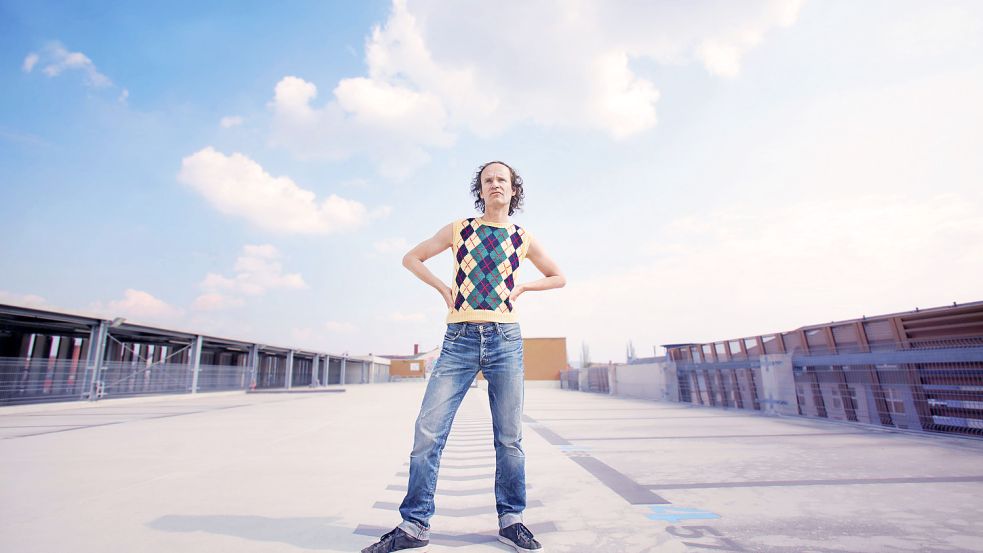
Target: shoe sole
x: 423, y: 549
x: 517, y: 547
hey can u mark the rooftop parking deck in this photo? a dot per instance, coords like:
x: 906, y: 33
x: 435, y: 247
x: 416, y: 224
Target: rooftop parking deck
x: 326, y: 472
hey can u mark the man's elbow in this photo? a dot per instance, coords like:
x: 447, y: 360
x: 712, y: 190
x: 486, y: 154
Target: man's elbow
x: 562, y: 281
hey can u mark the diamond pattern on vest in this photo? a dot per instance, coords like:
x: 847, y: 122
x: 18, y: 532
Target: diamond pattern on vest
x: 485, y: 260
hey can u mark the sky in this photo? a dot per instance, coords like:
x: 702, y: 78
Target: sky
x: 699, y: 171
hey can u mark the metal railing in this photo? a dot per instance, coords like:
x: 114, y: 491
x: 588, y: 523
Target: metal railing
x: 931, y: 397
x: 925, y: 385
x: 24, y: 380
x: 592, y: 379
x: 570, y: 379
x: 935, y: 397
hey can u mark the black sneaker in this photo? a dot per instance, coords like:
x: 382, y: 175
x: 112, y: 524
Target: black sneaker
x: 519, y: 537
x: 398, y: 540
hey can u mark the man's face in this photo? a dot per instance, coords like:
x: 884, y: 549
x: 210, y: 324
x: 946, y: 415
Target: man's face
x: 496, y: 185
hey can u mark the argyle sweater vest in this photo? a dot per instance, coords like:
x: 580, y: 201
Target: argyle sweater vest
x: 486, y: 256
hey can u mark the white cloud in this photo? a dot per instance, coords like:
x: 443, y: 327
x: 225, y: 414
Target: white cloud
x: 56, y: 59
x: 434, y: 72
x: 123, y: 96
x: 237, y: 185
x: 24, y: 300
x: 18, y: 137
x: 29, y: 61
x: 391, y: 245
x: 406, y: 317
x: 389, y: 123
x: 256, y: 271
x: 862, y: 200
x: 230, y: 121
x: 139, y: 306
x: 340, y: 327
x: 331, y: 336
x: 749, y: 269
x: 214, y: 301
x: 925, y: 30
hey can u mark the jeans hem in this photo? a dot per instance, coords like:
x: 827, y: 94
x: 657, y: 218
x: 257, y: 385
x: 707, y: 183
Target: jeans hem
x: 508, y: 519
x: 415, y: 530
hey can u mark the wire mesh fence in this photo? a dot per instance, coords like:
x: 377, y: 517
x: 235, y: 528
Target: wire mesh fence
x: 27, y: 380
x: 591, y: 379
x: 570, y: 379
x: 930, y: 397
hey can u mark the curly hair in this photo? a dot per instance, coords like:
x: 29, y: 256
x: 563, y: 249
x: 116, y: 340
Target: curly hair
x: 518, y: 194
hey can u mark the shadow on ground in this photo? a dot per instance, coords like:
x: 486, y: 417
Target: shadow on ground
x: 305, y: 532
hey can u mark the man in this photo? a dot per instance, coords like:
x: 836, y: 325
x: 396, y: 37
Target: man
x: 482, y: 334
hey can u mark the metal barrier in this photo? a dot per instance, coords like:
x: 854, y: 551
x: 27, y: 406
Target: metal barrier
x: 597, y: 380
x: 722, y: 387
x: 215, y: 378
x: 592, y: 379
x: 570, y: 379
x: 943, y: 396
x: 26, y: 380
x: 118, y: 379
x: 933, y: 397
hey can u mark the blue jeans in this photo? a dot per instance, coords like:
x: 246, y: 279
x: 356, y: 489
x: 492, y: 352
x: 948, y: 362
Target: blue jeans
x: 496, y: 350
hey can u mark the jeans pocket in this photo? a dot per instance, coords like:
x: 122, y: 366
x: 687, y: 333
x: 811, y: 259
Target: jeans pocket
x: 453, y: 331
x: 510, y: 331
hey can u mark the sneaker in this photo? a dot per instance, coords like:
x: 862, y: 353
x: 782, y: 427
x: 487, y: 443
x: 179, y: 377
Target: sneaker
x: 519, y: 537
x: 398, y: 540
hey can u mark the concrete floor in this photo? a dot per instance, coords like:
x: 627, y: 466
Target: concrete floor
x: 326, y: 472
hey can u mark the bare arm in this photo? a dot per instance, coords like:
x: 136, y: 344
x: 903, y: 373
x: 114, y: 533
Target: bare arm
x: 552, y: 276
x: 413, y: 260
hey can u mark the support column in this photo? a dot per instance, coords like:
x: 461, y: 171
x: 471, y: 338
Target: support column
x: 670, y: 382
x: 612, y: 379
x: 253, y: 365
x: 97, y: 351
x: 290, y: 368
x: 342, y: 376
x: 315, y: 367
x: 582, y: 380
x: 778, y: 384
x: 196, y: 363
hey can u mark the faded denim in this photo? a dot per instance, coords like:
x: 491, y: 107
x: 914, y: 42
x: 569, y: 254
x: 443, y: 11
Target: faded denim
x: 496, y: 350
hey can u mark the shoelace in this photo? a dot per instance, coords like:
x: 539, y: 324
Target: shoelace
x: 523, y: 532
x: 389, y: 535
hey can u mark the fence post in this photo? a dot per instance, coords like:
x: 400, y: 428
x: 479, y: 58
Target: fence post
x: 778, y: 383
x: 97, y: 351
x: 670, y: 387
x: 290, y: 369
x: 253, y: 366
x: 196, y: 363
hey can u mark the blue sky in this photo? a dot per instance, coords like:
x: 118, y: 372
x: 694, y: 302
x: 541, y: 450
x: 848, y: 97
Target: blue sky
x: 699, y: 171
